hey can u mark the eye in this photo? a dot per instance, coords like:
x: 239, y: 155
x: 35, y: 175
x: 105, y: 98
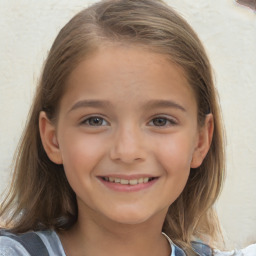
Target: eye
x: 162, y: 121
x: 95, y: 121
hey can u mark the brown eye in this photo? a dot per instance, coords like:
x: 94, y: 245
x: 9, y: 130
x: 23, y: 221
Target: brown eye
x: 159, y: 121
x: 162, y: 122
x: 95, y: 121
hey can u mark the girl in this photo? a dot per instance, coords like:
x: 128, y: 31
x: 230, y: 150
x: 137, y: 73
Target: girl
x: 123, y: 151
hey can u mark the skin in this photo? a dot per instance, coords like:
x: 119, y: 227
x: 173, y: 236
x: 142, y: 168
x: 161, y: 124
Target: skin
x: 133, y: 135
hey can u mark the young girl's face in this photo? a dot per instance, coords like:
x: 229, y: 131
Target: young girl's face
x: 127, y: 134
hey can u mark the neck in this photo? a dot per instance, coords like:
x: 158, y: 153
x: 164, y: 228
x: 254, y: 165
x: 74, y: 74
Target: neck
x: 94, y: 235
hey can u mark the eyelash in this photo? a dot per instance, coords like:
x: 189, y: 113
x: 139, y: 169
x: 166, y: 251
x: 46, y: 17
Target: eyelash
x: 171, y: 122
x: 87, y: 121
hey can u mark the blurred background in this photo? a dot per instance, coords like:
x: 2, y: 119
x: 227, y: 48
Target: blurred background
x: 228, y: 31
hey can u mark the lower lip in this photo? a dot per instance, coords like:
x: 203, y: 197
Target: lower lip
x: 128, y: 188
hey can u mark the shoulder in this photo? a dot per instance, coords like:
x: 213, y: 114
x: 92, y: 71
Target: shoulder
x: 248, y: 251
x: 52, y: 242
x: 30, y: 243
x: 11, y: 247
x: 202, y: 249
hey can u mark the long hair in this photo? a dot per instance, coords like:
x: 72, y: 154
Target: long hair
x: 40, y: 196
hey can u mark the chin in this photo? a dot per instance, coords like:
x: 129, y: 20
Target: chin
x: 129, y: 217
x: 130, y: 220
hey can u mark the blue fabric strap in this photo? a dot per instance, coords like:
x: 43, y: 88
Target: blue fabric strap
x: 30, y: 241
x: 179, y: 251
x: 200, y: 248
x: 35, y: 246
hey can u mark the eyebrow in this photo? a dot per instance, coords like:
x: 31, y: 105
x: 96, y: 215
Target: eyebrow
x: 105, y: 104
x: 90, y: 103
x: 164, y: 104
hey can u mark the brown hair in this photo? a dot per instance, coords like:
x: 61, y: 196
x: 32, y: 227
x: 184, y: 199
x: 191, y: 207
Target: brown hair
x: 40, y: 196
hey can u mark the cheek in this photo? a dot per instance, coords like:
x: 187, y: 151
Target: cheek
x: 81, y: 155
x: 80, y: 152
x: 175, y: 154
x: 174, y: 158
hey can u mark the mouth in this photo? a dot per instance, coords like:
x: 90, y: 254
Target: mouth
x: 132, y: 182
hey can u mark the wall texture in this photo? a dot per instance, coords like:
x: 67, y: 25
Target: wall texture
x: 27, y: 29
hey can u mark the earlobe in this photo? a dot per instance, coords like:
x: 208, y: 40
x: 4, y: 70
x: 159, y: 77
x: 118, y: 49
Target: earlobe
x: 49, y: 138
x: 204, y: 142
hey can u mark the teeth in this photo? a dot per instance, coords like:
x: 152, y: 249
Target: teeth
x: 117, y: 180
x: 111, y: 179
x: 126, y: 182
x: 145, y: 180
x: 133, y: 182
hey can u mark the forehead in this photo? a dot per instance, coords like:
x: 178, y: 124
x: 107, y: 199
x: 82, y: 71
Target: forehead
x: 128, y: 74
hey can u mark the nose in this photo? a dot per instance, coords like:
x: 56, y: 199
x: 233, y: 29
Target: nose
x: 128, y: 146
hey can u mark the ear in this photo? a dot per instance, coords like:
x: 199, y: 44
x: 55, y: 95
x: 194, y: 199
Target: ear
x: 204, y: 142
x: 49, y: 138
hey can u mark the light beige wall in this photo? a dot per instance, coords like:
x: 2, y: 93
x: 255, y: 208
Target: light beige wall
x: 27, y: 29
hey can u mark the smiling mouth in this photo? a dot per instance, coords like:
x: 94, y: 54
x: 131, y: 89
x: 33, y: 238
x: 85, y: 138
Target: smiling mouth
x: 128, y: 182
